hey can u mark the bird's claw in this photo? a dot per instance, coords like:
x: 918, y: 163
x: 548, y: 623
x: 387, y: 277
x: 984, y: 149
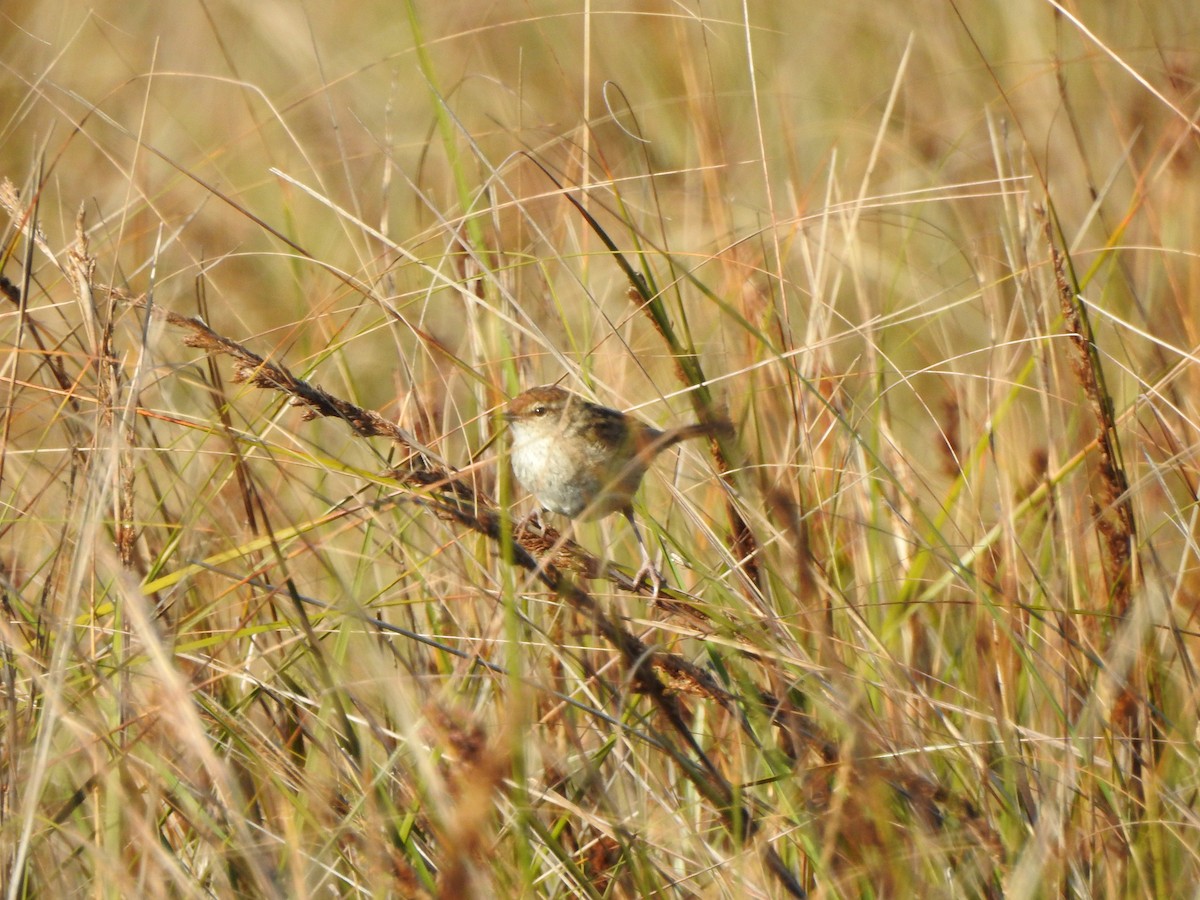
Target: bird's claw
x: 647, y: 574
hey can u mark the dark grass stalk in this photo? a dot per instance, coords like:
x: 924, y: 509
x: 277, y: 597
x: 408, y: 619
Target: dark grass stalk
x: 1113, y: 508
x: 1113, y: 515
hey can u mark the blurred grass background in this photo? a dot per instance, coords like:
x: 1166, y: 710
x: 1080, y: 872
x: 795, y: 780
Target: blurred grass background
x: 957, y: 635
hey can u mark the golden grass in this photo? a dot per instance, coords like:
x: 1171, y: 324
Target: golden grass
x: 269, y: 272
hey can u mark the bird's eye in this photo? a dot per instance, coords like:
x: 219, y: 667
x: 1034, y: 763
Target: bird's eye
x: 539, y: 410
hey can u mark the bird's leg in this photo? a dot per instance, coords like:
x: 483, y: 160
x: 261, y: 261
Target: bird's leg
x: 646, y: 571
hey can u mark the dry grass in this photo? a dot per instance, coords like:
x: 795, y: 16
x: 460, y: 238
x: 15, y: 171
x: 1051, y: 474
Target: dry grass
x: 269, y: 271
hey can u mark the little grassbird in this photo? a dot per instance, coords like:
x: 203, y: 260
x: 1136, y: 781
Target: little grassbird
x: 585, y: 461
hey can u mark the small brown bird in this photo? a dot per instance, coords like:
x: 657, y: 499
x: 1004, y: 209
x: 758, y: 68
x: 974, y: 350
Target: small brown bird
x: 586, y: 461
